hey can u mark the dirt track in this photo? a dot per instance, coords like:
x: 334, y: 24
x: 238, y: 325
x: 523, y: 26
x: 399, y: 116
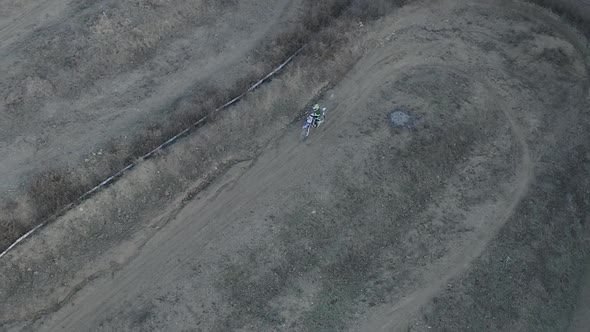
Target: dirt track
x: 475, y: 219
x: 74, y: 77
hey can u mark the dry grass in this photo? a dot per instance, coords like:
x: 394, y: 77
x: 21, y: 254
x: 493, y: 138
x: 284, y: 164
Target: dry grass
x: 85, y: 50
x: 105, y: 39
x: 116, y: 213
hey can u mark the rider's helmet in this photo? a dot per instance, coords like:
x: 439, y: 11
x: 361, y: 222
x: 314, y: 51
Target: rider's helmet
x: 316, y: 107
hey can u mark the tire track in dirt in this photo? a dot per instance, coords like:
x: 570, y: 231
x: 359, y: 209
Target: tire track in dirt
x: 202, y: 222
x: 195, y: 228
x: 459, y: 259
x: 110, y: 111
x: 400, y: 316
x: 148, y: 155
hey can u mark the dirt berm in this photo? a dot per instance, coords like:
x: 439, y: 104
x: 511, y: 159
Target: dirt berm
x: 87, y: 86
x: 77, y: 74
x: 447, y: 191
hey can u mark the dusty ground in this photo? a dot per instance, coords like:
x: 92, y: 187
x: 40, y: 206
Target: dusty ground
x: 473, y: 219
x: 76, y: 74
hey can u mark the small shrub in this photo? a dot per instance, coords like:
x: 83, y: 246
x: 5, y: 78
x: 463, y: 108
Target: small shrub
x: 53, y: 190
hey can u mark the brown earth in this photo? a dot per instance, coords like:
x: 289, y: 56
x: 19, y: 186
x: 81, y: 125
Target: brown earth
x: 80, y: 74
x: 474, y: 218
x: 86, y: 87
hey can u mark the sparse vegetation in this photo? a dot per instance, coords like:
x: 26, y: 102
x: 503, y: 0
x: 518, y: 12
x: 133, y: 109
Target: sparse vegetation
x: 50, y: 191
x: 532, y: 270
x: 343, y: 246
x: 387, y: 216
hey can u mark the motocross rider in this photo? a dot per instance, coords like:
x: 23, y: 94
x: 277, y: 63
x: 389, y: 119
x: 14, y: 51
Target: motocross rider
x: 316, y: 115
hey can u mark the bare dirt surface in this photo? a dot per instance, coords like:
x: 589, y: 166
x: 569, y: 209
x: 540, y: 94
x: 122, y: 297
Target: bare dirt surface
x: 581, y: 318
x: 473, y: 217
x: 77, y: 74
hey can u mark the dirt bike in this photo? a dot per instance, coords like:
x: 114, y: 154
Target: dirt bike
x: 312, y: 122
